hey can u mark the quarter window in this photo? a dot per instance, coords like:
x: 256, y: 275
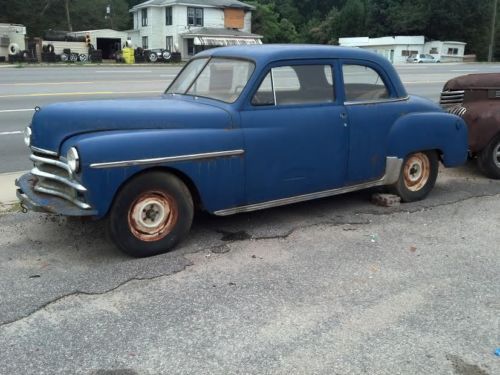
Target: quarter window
x: 362, y: 83
x: 194, y: 16
x: 297, y: 84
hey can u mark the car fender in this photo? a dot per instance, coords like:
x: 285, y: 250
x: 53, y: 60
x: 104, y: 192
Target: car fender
x: 430, y: 131
x: 483, y: 119
x: 210, y: 159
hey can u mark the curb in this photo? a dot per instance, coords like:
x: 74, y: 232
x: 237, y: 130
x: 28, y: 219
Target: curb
x: 8, y: 189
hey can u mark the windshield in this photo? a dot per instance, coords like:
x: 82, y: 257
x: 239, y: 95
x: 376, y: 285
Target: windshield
x: 217, y: 78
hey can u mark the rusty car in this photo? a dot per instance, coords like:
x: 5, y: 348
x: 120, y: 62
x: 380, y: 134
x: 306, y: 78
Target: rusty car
x: 476, y: 98
x: 239, y: 129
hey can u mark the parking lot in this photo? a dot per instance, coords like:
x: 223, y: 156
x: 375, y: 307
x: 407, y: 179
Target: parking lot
x: 332, y: 286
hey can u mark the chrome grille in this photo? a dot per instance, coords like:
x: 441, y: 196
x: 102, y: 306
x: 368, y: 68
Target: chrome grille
x: 451, y: 98
x: 458, y: 110
x: 55, y: 178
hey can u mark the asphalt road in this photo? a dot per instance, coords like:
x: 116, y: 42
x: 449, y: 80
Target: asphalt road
x: 21, y: 89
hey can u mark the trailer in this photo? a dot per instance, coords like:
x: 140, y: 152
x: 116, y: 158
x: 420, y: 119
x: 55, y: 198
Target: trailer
x: 12, y: 40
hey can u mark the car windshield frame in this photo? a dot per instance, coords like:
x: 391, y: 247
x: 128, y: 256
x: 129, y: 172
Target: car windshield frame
x: 193, y: 76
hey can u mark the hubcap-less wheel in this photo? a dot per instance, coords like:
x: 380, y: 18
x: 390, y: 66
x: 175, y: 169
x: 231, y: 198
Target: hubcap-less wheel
x: 496, y: 155
x: 416, y: 171
x: 152, y: 216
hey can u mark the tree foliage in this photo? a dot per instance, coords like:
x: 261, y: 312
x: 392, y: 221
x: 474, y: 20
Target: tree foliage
x: 291, y: 21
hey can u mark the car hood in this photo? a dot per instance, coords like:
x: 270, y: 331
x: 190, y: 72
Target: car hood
x: 54, y: 123
x: 473, y: 81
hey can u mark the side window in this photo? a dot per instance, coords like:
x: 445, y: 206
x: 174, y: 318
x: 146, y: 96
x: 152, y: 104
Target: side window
x: 297, y: 84
x: 362, y: 83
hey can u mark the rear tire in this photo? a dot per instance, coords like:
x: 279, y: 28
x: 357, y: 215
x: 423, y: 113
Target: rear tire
x: 151, y: 214
x: 489, y: 159
x: 417, y: 177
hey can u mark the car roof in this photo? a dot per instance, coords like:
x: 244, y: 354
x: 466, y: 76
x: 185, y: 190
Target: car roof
x: 275, y: 52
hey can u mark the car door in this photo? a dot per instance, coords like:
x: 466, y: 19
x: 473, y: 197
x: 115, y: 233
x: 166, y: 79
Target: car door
x: 295, y: 132
x: 372, y: 109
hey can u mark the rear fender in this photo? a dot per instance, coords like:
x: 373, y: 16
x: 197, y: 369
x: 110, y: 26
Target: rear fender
x: 444, y: 132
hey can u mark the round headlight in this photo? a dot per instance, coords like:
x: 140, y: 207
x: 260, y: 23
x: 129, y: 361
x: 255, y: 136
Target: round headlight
x: 27, y: 136
x: 73, y: 159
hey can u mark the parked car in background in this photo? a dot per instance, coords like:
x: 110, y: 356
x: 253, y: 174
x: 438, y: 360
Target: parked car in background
x: 422, y: 58
x: 476, y: 98
x: 239, y: 129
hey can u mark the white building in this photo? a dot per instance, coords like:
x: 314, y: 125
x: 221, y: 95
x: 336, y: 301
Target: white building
x: 190, y: 26
x: 12, y: 39
x: 398, y: 48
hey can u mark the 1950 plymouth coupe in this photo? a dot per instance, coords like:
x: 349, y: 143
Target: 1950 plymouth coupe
x: 239, y: 129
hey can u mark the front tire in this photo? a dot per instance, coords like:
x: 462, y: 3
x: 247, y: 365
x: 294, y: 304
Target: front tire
x: 489, y: 159
x: 417, y: 177
x: 151, y: 214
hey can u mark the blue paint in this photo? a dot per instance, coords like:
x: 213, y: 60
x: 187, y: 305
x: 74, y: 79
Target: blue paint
x: 289, y: 149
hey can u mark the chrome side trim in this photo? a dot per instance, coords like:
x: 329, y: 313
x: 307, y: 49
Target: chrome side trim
x: 168, y: 159
x: 75, y: 185
x: 43, y: 151
x: 78, y: 203
x: 56, y: 163
x: 378, y: 101
x: 392, y: 171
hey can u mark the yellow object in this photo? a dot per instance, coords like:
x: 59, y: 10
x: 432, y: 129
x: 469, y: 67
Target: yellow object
x: 128, y: 55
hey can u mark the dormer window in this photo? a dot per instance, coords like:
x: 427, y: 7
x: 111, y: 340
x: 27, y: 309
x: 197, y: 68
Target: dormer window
x: 194, y: 16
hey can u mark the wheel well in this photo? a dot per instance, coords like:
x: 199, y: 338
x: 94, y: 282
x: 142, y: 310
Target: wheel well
x: 198, y: 204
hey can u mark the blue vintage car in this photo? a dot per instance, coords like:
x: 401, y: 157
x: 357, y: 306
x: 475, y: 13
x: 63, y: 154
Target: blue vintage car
x: 239, y: 129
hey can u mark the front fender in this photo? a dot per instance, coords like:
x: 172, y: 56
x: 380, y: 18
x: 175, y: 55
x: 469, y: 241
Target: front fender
x: 430, y: 131
x: 483, y: 120
x: 218, y: 180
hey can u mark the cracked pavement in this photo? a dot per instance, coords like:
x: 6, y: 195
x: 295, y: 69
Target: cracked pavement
x: 335, y: 285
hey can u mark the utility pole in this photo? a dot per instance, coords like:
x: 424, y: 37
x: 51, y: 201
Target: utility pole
x: 493, y: 27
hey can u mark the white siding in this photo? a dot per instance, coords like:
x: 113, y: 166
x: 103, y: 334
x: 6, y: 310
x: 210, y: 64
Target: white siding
x: 247, y: 27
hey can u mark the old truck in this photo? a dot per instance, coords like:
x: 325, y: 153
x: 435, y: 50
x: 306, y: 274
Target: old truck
x: 239, y: 129
x: 476, y: 98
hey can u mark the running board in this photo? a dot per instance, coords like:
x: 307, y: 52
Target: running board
x: 392, y: 171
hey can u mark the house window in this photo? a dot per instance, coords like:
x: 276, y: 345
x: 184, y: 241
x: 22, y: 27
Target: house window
x: 194, y: 16
x: 433, y: 51
x: 406, y: 52
x: 144, y: 17
x: 168, y: 16
x: 170, y: 43
x: 452, y: 51
x: 145, y: 42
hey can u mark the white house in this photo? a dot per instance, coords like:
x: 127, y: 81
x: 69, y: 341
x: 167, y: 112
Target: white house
x: 398, y: 48
x: 190, y: 26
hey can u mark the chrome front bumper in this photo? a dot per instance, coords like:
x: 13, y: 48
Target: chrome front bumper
x: 40, y: 202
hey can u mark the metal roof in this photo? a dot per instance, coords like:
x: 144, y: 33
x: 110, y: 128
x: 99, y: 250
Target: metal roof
x: 208, y: 3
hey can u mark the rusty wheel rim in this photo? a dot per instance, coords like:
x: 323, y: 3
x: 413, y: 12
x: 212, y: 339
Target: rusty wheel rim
x: 416, y: 171
x: 152, y: 216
